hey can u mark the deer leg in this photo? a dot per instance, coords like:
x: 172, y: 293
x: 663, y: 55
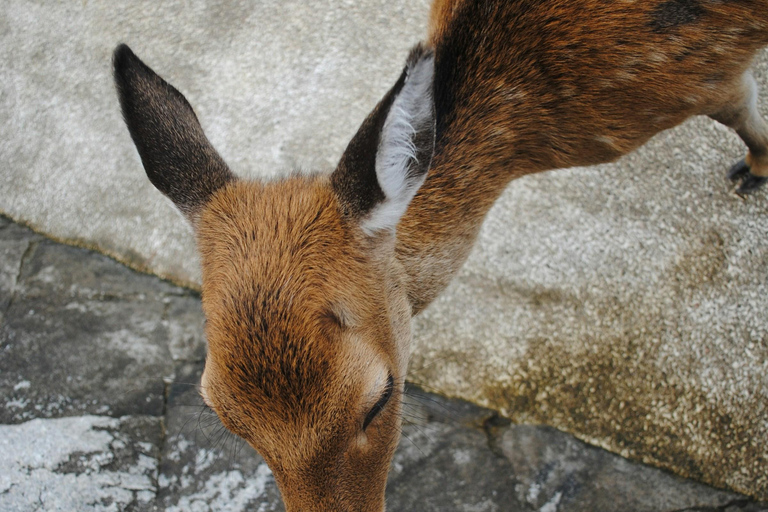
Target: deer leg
x: 741, y: 114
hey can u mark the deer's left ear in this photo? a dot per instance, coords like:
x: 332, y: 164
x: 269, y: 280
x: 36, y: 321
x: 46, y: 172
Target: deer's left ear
x: 387, y: 160
x: 177, y: 156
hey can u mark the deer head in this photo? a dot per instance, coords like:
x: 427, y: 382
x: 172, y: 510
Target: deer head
x: 308, y: 322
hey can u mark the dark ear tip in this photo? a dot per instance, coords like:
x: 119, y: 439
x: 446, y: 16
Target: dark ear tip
x: 128, y: 67
x: 122, y: 58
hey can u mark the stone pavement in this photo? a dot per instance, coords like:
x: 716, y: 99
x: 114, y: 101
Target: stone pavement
x: 623, y: 303
x: 98, y: 378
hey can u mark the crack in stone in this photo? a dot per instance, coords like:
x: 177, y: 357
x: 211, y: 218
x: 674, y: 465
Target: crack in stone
x: 40, y: 502
x: 163, y: 435
x: 166, y: 308
x: 493, y: 427
x: 31, y: 246
x: 133, y: 503
x: 739, y: 502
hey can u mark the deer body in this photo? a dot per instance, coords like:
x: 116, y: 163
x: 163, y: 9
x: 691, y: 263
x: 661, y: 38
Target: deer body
x: 524, y: 87
x: 309, y: 283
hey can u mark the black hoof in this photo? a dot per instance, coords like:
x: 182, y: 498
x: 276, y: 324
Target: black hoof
x: 751, y: 183
x: 739, y: 170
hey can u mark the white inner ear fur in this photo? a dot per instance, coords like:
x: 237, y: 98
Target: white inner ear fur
x: 410, y: 113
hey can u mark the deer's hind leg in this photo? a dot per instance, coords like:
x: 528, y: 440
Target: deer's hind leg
x: 741, y: 114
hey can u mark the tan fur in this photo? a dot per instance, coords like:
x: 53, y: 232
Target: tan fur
x: 301, y: 315
x: 284, y: 249
x: 308, y: 315
x: 440, y: 14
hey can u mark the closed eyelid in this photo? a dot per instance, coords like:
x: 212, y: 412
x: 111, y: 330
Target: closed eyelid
x: 381, y: 403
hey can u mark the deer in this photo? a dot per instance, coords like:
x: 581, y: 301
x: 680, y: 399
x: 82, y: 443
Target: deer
x: 310, y: 282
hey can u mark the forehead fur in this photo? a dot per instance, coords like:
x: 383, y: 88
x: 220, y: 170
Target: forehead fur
x: 278, y: 264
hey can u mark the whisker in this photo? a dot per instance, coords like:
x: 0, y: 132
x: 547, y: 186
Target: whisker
x: 403, y: 434
x: 446, y: 409
x: 408, y: 423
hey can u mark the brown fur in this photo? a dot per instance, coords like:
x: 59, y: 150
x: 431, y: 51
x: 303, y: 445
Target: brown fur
x: 292, y: 338
x: 566, y: 83
x: 307, y: 314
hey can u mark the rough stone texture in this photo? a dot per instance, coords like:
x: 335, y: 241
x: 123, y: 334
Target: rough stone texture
x: 79, y: 463
x: 473, y: 460
x: 624, y: 303
x: 628, y: 309
x: 204, y: 467
x: 98, y: 451
x: 64, y: 314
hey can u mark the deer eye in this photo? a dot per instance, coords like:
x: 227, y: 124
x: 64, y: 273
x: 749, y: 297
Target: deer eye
x: 382, y: 402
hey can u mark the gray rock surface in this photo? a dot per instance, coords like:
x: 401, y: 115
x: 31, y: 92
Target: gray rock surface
x: 624, y: 303
x: 94, y: 421
x: 628, y: 309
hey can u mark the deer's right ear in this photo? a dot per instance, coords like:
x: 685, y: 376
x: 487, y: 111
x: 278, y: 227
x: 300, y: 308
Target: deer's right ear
x: 177, y: 156
x: 387, y: 160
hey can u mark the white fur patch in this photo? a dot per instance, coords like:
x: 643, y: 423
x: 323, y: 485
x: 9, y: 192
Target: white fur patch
x: 411, y: 112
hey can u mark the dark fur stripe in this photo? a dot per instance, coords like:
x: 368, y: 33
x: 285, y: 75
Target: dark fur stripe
x: 674, y: 13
